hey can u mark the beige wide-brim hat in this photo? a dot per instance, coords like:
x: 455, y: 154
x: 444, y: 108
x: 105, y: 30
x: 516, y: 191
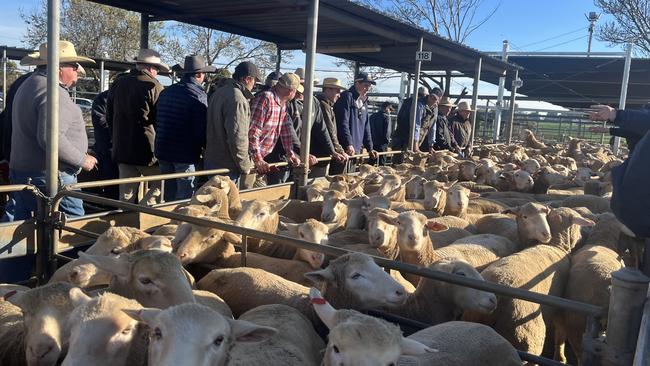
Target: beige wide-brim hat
x: 464, y: 106
x: 67, y: 55
x: 446, y: 102
x: 151, y: 57
x: 332, y: 83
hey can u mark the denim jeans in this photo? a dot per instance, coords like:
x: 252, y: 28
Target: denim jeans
x: 22, y: 205
x: 234, y: 175
x: 180, y: 188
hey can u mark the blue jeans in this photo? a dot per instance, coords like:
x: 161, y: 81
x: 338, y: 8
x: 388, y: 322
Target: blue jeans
x: 180, y: 188
x: 234, y: 175
x: 22, y: 204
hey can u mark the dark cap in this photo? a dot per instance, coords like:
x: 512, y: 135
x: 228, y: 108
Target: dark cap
x: 273, y: 78
x: 363, y: 77
x: 245, y: 69
x: 437, y: 91
x: 385, y: 105
x: 195, y: 63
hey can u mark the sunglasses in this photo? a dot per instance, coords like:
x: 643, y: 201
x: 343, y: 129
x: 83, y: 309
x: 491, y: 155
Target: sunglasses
x: 74, y: 66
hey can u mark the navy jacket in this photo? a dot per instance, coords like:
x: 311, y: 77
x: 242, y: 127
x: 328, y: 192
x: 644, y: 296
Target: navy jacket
x: 630, y: 199
x: 5, y: 117
x: 180, y: 132
x: 380, y: 127
x: 352, y: 123
x: 103, y: 133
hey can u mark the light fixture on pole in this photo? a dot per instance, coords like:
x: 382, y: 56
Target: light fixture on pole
x: 592, y: 18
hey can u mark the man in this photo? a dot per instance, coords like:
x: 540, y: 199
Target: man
x: 332, y: 88
x: 441, y: 138
x: 271, y: 80
x: 426, y: 107
x: 270, y: 123
x: 131, y: 113
x: 103, y: 145
x: 461, y: 129
x: 181, y: 124
x: 352, y: 123
x: 228, y: 123
x: 380, y: 129
x: 28, y: 140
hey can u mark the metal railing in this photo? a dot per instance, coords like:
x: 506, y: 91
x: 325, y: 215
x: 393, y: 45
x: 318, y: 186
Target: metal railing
x: 642, y: 354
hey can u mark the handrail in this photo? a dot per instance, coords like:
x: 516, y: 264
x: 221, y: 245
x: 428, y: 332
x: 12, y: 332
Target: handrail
x: 18, y: 187
x: 149, y: 178
x: 549, y: 300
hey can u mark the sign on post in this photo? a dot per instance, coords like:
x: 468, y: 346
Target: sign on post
x: 423, y: 56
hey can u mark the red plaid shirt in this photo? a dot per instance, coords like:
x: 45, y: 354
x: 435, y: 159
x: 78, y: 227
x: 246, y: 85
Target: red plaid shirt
x: 269, y: 121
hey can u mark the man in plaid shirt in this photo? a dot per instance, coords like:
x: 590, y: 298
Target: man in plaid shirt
x: 269, y: 121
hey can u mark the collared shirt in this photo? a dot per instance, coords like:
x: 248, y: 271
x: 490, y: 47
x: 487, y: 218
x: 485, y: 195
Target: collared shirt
x: 269, y: 121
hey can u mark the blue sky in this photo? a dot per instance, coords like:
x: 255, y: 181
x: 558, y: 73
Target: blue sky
x: 522, y: 22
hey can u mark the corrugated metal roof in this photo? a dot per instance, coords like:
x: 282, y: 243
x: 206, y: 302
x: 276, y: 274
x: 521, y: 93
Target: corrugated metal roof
x: 342, y: 25
x: 583, y: 81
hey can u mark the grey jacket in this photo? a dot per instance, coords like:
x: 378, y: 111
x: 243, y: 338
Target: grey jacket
x: 227, y: 128
x: 29, y: 128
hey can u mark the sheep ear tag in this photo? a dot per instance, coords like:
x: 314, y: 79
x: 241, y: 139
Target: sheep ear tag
x: 436, y: 226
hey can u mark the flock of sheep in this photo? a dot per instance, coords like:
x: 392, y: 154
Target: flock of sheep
x: 513, y: 215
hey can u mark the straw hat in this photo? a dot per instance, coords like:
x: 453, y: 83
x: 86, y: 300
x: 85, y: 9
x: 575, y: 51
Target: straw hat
x: 151, y: 57
x: 464, y: 106
x: 446, y: 102
x: 334, y: 83
x: 67, y: 55
x: 30, y: 59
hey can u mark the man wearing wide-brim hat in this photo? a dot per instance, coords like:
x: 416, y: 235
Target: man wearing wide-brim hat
x: 441, y: 137
x: 131, y: 112
x: 332, y: 89
x: 28, y: 143
x: 180, y: 133
x: 461, y: 128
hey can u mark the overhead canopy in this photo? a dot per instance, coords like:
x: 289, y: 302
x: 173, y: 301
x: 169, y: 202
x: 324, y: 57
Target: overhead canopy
x: 345, y: 30
x: 579, y: 81
x: 14, y: 53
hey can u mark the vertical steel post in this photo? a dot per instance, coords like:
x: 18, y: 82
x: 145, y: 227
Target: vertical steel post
x: 102, y: 77
x: 477, y: 78
x: 414, y: 100
x: 623, y: 99
x: 403, y: 86
x: 499, y: 104
x: 144, y: 30
x: 628, y: 295
x: 511, y: 119
x: 357, y: 67
x: 52, y: 152
x: 308, y: 103
x: 4, y: 78
x: 278, y: 58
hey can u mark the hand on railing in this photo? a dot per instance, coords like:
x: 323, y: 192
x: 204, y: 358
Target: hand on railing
x: 89, y: 163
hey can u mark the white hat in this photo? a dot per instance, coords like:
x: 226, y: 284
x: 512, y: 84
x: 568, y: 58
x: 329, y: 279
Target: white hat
x: 151, y: 57
x: 67, y: 55
x: 464, y: 106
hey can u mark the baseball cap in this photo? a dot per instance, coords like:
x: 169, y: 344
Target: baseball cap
x: 364, y: 78
x: 247, y: 68
x: 290, y: 81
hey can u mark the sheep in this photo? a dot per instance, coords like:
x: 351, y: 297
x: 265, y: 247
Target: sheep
x: 353, y: 280
x: 478, y: 250
x: 531, y: 166
x: 478, y: 188
x: 415, y: 245
x: 467, y: 171
x: 33, y: 325
x: 152, y: 277
x: 338, y: 183
x: 414, y: 189
x: 213, y: 197
x: 299, y: 211
x: 485, y: 206
x: 589, y: 281
x: 596, y: 204
x: 458, y: 200
x: 435, y: 302
x: 102, y: 333
x: 518, y: 180
x: 355, y: 217
x: 532, y: 224
x: 295, y: 343
x: 435, y: 198
x: 193, y: 334
x: 357, y: 339
x: 168, y: 231
x: 230, y: 188
x: 264, y: 216
x: 7, y: 287
x: 212, y: 301
x: 487, y: 174
x: 348, y: 237
x: 543, y: 269
x: 335, y: 210
x: 197, y: 210
x: 548, y: 177
x: 393, y: 188
x: 531, y: 141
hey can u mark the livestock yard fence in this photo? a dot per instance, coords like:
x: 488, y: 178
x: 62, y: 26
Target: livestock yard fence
x: 629, y: 309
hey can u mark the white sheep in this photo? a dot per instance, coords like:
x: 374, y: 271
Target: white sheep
x: 193, y: 334
x: 352, y: 280
x: 478, y: 250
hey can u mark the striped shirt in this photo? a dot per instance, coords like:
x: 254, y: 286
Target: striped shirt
x: 269, y: 121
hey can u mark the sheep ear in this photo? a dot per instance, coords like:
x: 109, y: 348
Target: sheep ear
x: 117, y: 266
x: 323, y: 309
x: 332, y: 226
x: 190, y: 279
x: 278, y: 206
x: 182, y: 232
x: 231, y: 238
x: 202, y: 198
x: 448, y: 185
x: 144, y: 315
x: 291, y: 228
x: 320, y: 276
x: 330, y: 178
x: 248, y: 332
x: 411, y: 347
x: 473, y: 195
x: 78, y: 297
x: 388, y: 219
x: 581, y: 221
x: 436, y: 226
x: 16, y: 298
x: 511, y: 210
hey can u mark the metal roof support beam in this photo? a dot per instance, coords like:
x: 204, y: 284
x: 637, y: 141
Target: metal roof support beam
x: 414, y: 101
x: 511, y: 118
x: 52, y: 100
x: 4, y: 78
x: 144, y: 30
x: 499, y: 103
x: 477, y: 78
x: 278, y: 58
x: 307, y: 115
x: 623, y: 100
